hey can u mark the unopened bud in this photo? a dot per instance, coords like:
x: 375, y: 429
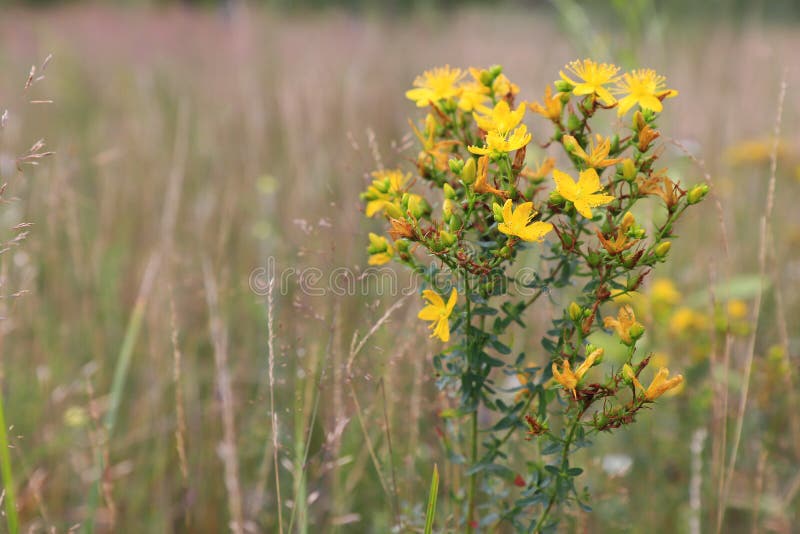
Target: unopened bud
x: 636, y: 331
x: 449, y: 192
x: 573, y: 122
x: 628, y: 170
x: 563, y: 86
x: 468, y: 172
x: 575, y: 312
x: 393, y: 210
x: 456, y: 165
x: 556, y: 198
x: 416, y: 205
x: 697, y: 193
x: 447, y: 238
x: 663, y: 249
x: 498, y: 212
x: 628, y: 376
x: 455, y: 223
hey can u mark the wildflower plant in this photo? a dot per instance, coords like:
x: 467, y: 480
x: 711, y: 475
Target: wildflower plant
x: 474, y: 213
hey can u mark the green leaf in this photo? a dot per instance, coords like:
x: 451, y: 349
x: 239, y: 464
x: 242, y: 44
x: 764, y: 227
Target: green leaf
x: 500, y: 347
x: 432, y: 495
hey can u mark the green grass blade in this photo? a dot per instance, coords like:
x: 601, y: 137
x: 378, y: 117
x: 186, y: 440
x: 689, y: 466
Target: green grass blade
x: 431, y: 514
x: 117, y: 386
x: 8, y: 479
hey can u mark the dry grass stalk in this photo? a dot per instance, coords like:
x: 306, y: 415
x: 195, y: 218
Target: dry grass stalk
x: 751, y: 344
x: 273, y: 417
x: 180, y: 415
x: 227, y: 449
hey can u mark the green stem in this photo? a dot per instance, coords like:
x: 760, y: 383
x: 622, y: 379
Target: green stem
x: 473, y: 477
x: 8, y: 479
x: 564, y: 465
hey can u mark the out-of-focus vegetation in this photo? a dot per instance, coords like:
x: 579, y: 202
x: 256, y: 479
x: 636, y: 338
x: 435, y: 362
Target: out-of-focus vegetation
x: 258, y: 128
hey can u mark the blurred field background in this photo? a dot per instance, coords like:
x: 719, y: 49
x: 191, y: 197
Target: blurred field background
x: 194, y: 143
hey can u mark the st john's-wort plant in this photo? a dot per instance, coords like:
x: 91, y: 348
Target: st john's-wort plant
x: 462, y: 221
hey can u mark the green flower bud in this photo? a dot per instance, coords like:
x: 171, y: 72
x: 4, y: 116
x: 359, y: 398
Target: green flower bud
x: 575, y: 312
x: 497, y: 211
x: 629, y: 170
x: 402, y: 245
x: 593, y: 258
x: 573, y: 122
x: 455, y: 223
x: 393, y: 210
x: 447, y: 239
x: 469, y: 171
x: 614, y: 144
x: 382, y: 185
x: 663, y: 249
x: 377, y: 244
x: 556, y: 198
x: 449, y: 192
x: 563, y: 86
x: 456, y: 165
x: 495, y: 71
x: 636, y: 331
x: 627, y: 374
x: 416, y: 205
x: 697, y: 193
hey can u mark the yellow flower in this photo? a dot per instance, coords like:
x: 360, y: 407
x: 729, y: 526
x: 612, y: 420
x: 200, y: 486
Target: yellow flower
x: 552, y: 105
x: 661, y: 384
x: 437, y: 84
x: 501, y: 118
x: 540, y: 172
x: 435, y: 153
x: 503, y: 87
x: 517, y: 222
x: 737, y: 309
x: 438, y: 312
x: 593, y: 76
x: 473, y: 93
x: 686, y: 319
x: 660, y: 185
x: 643, y: 87
x: 620, y: 243
x: 598, y: 151
x: 498, y: 143
x: 663, y: 291
x: 583, y: 193
x: 385, y: 191
x: 379, y: 249
x: 758, y: 150
x: 568, y: 379
x: 625, y: 324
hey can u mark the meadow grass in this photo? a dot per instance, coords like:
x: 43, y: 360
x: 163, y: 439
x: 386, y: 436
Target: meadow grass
x: 192, y: 146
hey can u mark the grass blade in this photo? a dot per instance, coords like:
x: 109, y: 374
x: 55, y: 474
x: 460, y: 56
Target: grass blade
x: 8, y: 479
x: 434, y: 493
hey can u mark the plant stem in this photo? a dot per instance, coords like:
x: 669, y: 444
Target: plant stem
x: 8, y: 480
x: 564, y: 464
x: 473, y: 477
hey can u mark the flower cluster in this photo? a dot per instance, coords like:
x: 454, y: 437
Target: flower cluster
x: 572, y: 209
